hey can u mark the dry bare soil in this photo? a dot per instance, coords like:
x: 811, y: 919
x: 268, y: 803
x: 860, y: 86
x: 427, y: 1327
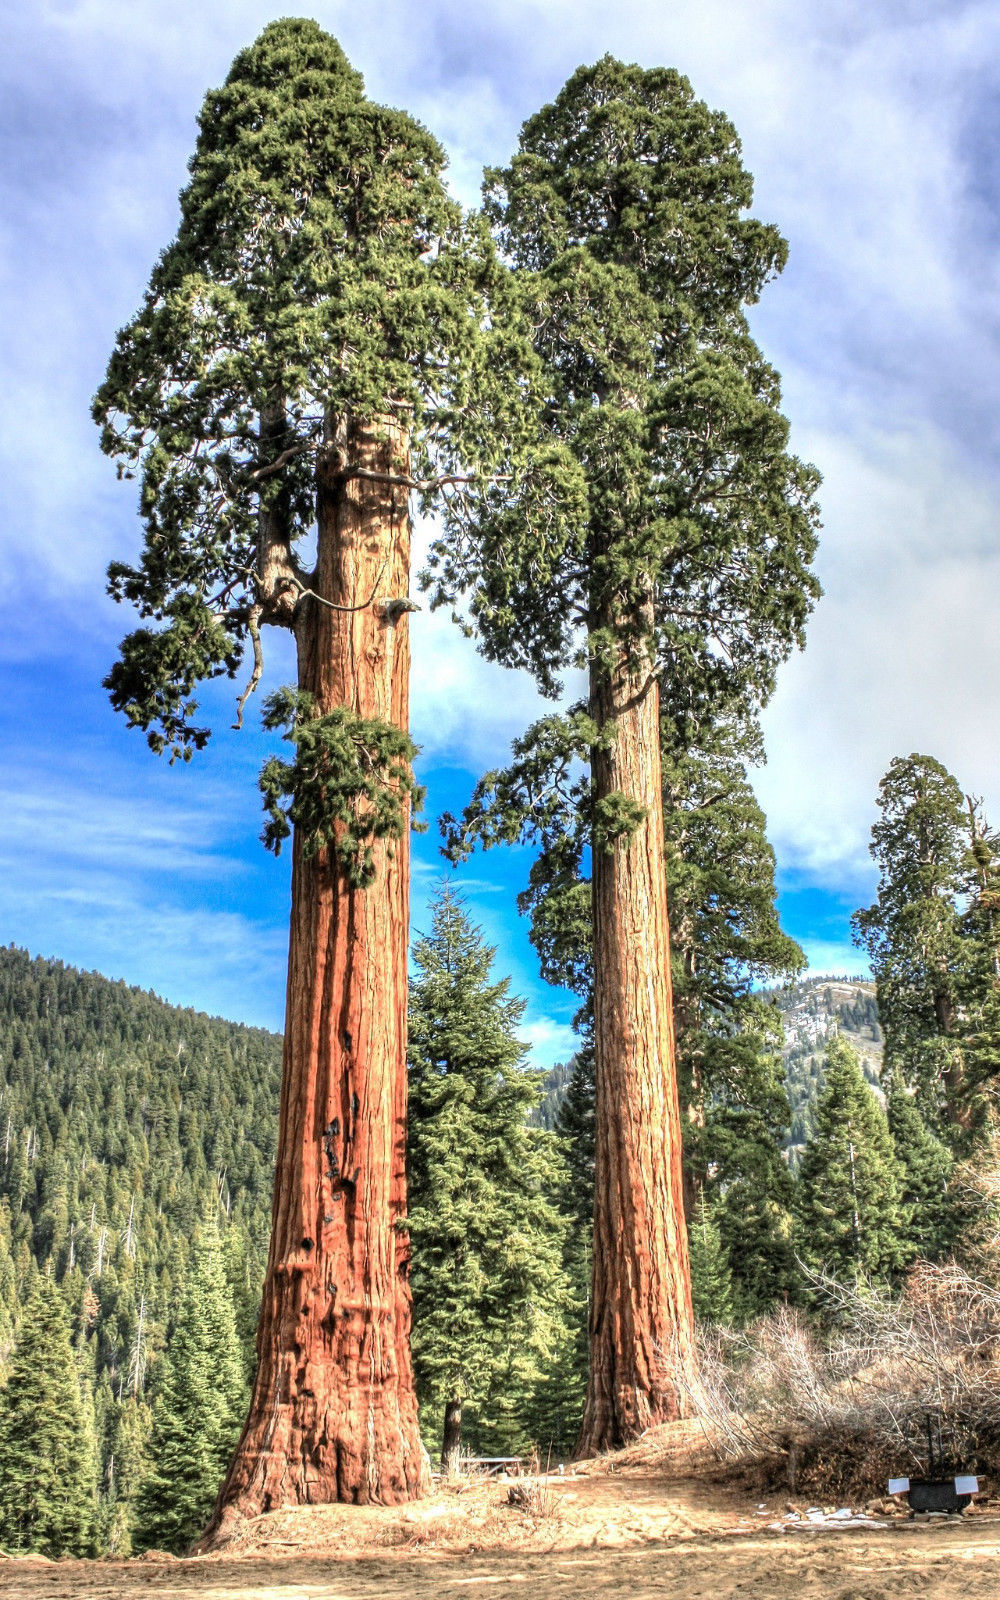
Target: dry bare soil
x: 653, y: 1521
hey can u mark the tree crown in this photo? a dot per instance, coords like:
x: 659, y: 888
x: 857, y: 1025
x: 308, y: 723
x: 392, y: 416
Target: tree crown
x: 660, y: 511
x: 320, y: 274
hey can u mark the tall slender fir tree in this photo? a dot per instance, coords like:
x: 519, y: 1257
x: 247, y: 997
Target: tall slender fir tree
x: 913, y: 932
x: 200, y: 1402
x: 852, y: 1219
x: 711, y: 1279
x: 48, y: 1461
x: 490, y: 1296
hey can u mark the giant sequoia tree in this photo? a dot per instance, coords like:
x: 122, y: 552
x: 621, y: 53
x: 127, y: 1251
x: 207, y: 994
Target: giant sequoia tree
x: 665, y: 532
x: 301, y: 349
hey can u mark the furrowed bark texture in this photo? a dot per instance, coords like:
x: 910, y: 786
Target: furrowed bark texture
x: 642, y: 1358
x: 333, y: 1414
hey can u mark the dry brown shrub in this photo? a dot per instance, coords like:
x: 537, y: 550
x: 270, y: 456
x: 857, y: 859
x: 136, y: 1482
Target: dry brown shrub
x: 835, y: 1414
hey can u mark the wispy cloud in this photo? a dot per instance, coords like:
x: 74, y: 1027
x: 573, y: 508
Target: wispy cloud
x: 548, y: 1040
x: 871, y: 131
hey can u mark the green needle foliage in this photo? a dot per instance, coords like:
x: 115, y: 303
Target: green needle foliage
x: 321, y: 278
x: 664, y: 525
x: 852, y: 1219
x: 932, y: 939
x: 661, y: 518
x: 927, y: 1165
x: 348, y: 784
x: 200, y: 1403
x: 913, y: 932
x: 490, y: 1297
x: 48, y: 1462
x: 726, y: 941
x: 711, y: 1279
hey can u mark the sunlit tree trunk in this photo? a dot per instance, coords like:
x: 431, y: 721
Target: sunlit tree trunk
x: 333, y: 1414
x: 642, y: 1360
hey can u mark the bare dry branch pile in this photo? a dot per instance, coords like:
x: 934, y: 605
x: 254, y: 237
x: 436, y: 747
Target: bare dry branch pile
x: 835, y: 1417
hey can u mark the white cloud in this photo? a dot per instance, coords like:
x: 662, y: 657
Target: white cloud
x: 870, y: 131
x: 548, y: 1040
x: 903, y: 652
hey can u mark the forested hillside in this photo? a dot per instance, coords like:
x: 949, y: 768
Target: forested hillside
x: 137, y: 1147
x: 813, y: 1011
x: 125, y: 1123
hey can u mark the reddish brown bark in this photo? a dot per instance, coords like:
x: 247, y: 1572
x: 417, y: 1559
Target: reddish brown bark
x: 333, y: 1414
x: 642, y: 1359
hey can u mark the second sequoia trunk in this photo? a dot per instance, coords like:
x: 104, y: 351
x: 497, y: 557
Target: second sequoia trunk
x: 642, y: 1359
x: 334, y: 1412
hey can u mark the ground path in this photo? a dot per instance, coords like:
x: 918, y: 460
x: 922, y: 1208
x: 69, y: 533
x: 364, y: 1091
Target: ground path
x: 646, y: 1524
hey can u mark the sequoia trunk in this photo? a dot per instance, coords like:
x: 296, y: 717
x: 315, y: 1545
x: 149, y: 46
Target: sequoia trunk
x: 333, y: 1414
x: 642, y: 1360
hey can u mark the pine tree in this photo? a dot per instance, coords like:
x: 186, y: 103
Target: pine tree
x: 48, y: 1465
x: 851, y: 1216
x: 305, y: 358
x: 8, y: 1286
x: 756, y: 1223
x: 127, y: 1428
x: 665, y: 533
x: 913, y: 933
x: 489, y: 1292
x: 926, y: 1164
x: 711, y: 1280
x: 201, y: 1395
x: 726, y: 943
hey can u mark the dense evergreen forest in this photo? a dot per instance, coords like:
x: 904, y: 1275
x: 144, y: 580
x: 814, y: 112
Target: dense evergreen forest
x: 128, y: 1126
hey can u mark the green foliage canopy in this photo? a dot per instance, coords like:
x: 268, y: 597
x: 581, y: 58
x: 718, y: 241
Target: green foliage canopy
x: 320, y: 275
x: 490, y: 1296
x: 199, y: 1407
x: 660, y: 514
x: 48, y: 1462
x: 852, y: 1219
x: 931, y: 936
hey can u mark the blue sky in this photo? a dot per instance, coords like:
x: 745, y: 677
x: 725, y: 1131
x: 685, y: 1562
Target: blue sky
x: 872, y: 131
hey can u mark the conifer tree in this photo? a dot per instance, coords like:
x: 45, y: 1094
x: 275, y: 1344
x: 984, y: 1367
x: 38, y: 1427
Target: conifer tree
x: 913, y: 932
x: 666, y: 534
x: 48, y: 1463
x: 304, y: 360
x: 727, y: 941
x: 711, y: 1280
x: 575, y: 1126
x: 200, y: 1400
x: 489, y: 1292
x: 128, y: 1425
x: 8, y: 1286
x: 851, y: 1216
x: 755, y: 1216
x: 926, y: 1164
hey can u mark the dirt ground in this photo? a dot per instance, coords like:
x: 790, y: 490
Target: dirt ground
x: 653, y: 1522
